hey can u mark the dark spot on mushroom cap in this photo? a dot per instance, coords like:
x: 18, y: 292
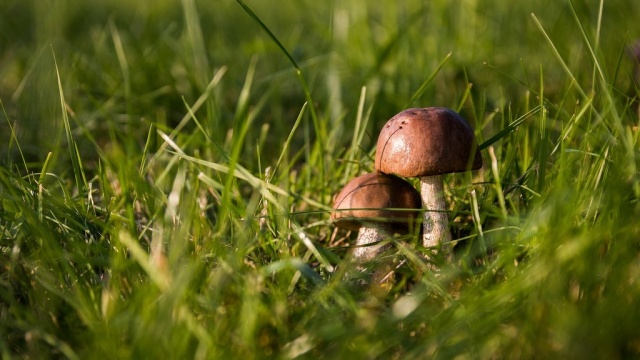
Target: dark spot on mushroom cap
x: 426, y: 142
x: 372, y: 197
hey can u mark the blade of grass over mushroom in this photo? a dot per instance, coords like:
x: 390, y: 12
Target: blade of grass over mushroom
x: 496, y: 230
x: 74, y: 155
x: 426, y: 83
x: 509, y: 128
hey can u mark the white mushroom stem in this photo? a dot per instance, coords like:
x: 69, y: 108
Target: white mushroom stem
x: 370, y: 233
x: 436, y: 217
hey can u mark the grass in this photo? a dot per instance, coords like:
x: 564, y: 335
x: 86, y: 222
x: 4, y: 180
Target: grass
x: 168, y: 170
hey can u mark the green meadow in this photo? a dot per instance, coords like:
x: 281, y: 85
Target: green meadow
x: 168, y: 168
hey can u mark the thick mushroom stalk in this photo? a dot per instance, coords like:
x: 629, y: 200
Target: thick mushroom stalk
x: 436, y: 219
x: 368, y: 234
x: 427, y: 143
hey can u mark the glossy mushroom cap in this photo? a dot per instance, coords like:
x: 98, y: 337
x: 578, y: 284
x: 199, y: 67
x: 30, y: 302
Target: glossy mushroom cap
x: 371, y: 196
x: 426, y: 142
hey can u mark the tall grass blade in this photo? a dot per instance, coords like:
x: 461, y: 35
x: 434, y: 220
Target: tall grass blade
x: 426, y: 83
x: 14, y: 138
x: 393, y: 42
x: 356, y: 138
x: 74, y: 155
x: 287, y: 143
x: 477, y: 221
x: 558, y: 56
x: 196, y: 40
x: 215, y: 81
x: 496, y: 183
x: 319, y: 129
x: 509, y: 128
x: 145, y: 151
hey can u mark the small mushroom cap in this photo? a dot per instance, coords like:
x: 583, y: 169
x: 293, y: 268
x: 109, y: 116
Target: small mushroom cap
x: 371, y: 197
x: 426, y: 142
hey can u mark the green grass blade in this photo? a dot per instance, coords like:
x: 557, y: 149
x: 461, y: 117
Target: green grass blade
x: 497, y: 185
x: 74, y: 155
x: 160, y: 278
x: 243, y: 174
x: 319, y: 130
x: 509, y: 128
x: 296, y: 264
x: 14, y: 138
x: 558, y: 56
x: 287, y: 143
x: 356, y: 138
x: 213, y: 84
x: 426, y: 83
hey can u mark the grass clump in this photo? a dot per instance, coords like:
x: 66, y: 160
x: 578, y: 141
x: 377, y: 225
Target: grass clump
x: 168, y: 171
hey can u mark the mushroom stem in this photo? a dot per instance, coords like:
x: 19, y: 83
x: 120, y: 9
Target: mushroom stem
x: 436, y: 218
x: 370, y: 233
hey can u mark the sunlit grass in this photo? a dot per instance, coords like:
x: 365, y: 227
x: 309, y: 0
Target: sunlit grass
x: 168, y: 172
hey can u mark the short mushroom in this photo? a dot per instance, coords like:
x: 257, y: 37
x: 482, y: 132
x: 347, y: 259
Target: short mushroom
x: 370, y: 204
x: 427, y: 143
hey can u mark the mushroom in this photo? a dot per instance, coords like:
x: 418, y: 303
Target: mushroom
x: 427, y: 143
x: 370, y: 204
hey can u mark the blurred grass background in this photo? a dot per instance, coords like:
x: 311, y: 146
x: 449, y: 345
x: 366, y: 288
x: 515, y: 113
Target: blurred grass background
x: 177, y: 204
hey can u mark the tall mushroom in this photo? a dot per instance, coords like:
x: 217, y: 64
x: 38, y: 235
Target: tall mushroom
x: 427, y: 143
x: 370, y: 204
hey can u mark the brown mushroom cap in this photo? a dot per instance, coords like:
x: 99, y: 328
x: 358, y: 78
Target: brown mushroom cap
x: 371, y: 196
x: 426, y: 142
